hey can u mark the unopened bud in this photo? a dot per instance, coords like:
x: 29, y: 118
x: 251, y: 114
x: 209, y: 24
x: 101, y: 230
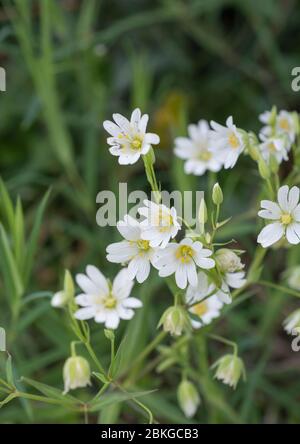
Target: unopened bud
x: 263, y: 169
x: 61, y: 298
x: 292, y: 322
x: 230, y: 368
x: 217, y: 194
x: 188, y: 398
x: 294, y: 278
x: 174, y: 320
x: 202, y: 214
x: 228, y: 261
x: 76, y: 373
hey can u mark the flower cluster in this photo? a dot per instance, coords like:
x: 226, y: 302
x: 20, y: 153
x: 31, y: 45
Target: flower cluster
x: 210, y: 149
x: 278, y: 134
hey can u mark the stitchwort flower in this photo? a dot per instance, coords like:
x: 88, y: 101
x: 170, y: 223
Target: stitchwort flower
x: 197, y: 150
x: 104, y: 302
x: 182, y: 260
x: 129, y: 139
x: 286, y: 217
x: 134, y: 250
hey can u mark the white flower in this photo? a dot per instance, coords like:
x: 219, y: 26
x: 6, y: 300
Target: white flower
x: 228, y: 260
x: 285, y: 124
x: 160, y: 223
x: 129, y: 138
x: 197, y: 151
x: 273, y: 146
x: 230, y: 280
x: 105, y: 303
x: 206, y: 310
x: 182, y: 259
x: 135, y: 251
x: 292, y: 322
x: 266, y: 117
x: 228, y: 141
x: 285, y: 213
x: 76, y: 373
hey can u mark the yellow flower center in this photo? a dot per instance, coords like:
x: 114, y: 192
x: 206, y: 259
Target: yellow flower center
x: 143, y: 245
x: 205, y: 155
x: 185, y: 253
x: 110, y: 301
x: 272, y: 147
x: 136, y: 144
x: 284, y: 124
x: 233, y: 141
x: 164, y: 220
x: 286, y: 219
x: 200, y: 309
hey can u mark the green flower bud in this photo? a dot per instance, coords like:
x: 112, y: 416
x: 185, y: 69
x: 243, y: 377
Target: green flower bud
x: 217, y: 194
x: 230, y: 368
x: 202, y: 214
x: 263, y: 169
x: 174, y: 320
x: 76, y: 373
x: 228, y: 261
x: 292, y: 322
x: 188, y: 398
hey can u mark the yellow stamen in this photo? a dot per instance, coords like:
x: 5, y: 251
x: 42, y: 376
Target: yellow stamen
x: 185, y: 253
x: 205, y: 155
x: 233, y: 140
x: 136, y: 144
x: 164, y: 220
x: 286, y: 219
x: 284, y: 124
x: 272, y: 147
x: 143, y: 245
x: 200, y: 309
x: 110, y: 301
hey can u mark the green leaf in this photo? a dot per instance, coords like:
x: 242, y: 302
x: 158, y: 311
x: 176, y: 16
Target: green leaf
x: 33, y: 240
x: 117, y: 363
x: 9, y: 398
x: 113, y: 398
x: 50, y: 392
x: 6, y: 206
x: 9, y: 371
x: 19, y: 236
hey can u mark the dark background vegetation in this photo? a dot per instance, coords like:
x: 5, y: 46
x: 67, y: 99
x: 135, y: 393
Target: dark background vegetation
x: 179, y: 61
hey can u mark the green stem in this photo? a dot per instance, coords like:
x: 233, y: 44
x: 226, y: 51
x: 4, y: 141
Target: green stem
x: 280, y: 288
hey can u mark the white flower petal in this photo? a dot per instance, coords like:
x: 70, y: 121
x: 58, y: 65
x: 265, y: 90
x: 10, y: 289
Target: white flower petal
x: 270, y: 234
x: 282, y: 196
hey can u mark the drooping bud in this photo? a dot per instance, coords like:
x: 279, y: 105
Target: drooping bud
x: 188, y: 398
x: 228, y: 261
x: 217, y: 194
x: 230, y: 368
x: 174, y: 320
x: 76, y: 373
x: 292, y: 322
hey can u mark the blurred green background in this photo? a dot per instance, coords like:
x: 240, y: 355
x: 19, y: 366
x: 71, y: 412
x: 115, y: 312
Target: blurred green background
x: 70, y: 64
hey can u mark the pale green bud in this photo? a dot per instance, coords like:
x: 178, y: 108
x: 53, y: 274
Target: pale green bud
x: 217, y: 194
x: 292, y: 322
x: 188, y: 398
x: 274, y: 165
x: 294, y: 278
x: 228, y: 261
x: 61, y: 298
x: 230, y: 368
x: 76, y: 373
x: 202, y: 214
x: 273, y: 116
x: 263, y: 169
x: 174, y: 320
